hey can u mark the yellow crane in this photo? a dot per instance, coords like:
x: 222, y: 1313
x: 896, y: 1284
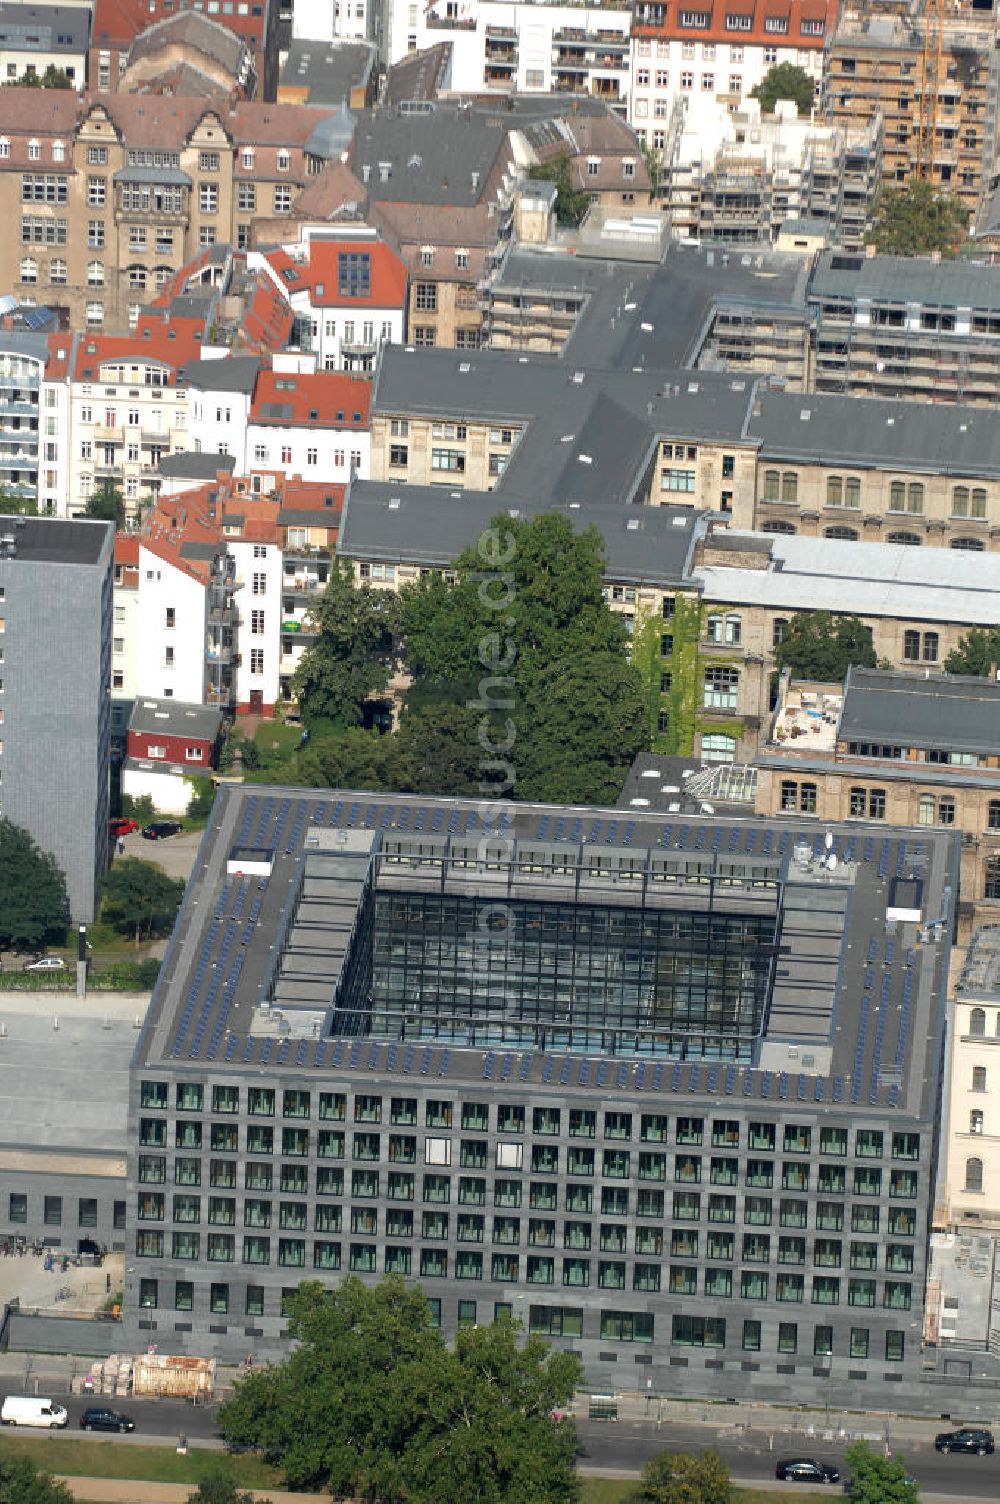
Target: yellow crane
x: 930, y: 77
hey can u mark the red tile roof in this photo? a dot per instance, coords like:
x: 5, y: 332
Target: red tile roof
x: 325, y: 399
x: 267, y: 323
x: 116, y: 23
x: 318, y: 274
x: 159, y: 337
x: 792, y: 15
x: 175, y: 521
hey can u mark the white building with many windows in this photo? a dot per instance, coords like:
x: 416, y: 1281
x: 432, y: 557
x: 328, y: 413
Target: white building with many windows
x: 348, y: 295
x: 713, y: 53
x: 507, y: 46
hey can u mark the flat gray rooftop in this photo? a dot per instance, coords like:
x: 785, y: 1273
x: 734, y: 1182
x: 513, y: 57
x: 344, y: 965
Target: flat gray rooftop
x: 854, y: 989
x: 589, y: 433
x: 328, y: 70
x: 53, y: 540
x: 431, y: 525
x: 64, y: 1067
x: 943, y: 438
x: 44, y: 28
x: 946, y: 712
x: 905, y: 280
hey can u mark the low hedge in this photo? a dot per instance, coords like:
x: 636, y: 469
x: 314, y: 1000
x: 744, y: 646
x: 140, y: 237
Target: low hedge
x: 121, y: 976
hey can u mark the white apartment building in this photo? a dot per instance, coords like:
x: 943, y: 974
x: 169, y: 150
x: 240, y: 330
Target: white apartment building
x: 322, y: 20
x: 713, y: 53
x: 311, y: 425
x: 33, y: 426
x: 126, y: 411
x: 172, y: 621
x: 509, y: 46
x: 259, y: 604
x: 348, y: 295
x: 219, y: 397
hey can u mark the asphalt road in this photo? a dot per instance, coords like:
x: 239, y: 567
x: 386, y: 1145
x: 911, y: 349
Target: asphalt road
x: 614, y: 1447
x: 623, y: 1448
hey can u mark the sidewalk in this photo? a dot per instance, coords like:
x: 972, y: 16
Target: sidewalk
x: 120, y: 1491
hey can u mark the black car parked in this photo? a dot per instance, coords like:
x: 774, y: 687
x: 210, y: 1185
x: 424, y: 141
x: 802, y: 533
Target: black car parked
x: 968, y: 1439
x: 806, y: 1470
x: 97, y: 1419
x: 158, y: 830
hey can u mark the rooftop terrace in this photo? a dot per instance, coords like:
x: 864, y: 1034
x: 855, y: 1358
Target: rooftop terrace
x: 847, y: 1022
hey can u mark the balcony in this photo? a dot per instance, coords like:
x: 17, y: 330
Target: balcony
x: 449, y: 23
x: 106, y: 471
x: 220, y: 654
x: 301, y: 585
x: 497, y: 57
x: 306, y: 550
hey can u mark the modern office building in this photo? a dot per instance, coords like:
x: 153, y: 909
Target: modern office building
x: 665, y: 1088
x: 56, y: 582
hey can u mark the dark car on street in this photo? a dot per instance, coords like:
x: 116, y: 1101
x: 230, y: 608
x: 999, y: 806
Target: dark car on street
x: 159, y: 830
x: 805, y: 1470
x: 96, y: 1418
x: 967, y: 1439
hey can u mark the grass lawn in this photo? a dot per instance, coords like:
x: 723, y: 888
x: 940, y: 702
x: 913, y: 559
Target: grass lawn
x: 109, y: 1459
x: 277, y: 740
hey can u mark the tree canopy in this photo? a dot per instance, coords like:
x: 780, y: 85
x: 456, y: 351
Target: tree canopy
x: 372, y: 1402
x: 821, y: 646
x: 572, y: 202
x: 354, y: 654
x: 33, y: 904
x: 520, y: 686
x: 915, y: 220
x: 107, y: 504
x: 878, y: 1480
x: 219, y: 1488
x: 139, y: 896
x: 978, y: 652
x: 685, y: 1478
x: 785, y: 81
x: 23, y: 1482
x: 52, y: 78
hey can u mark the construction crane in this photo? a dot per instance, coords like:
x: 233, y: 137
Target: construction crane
x: 930, y: 77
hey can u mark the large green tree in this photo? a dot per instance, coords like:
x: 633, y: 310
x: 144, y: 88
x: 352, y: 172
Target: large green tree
x: 138, y: 897
x: 785, y: 81
x: 685, y: 1478
x: 915, y: 220
x: 821, y: 646
x: 353, y: 657
x: 107, y: 504
x: 524, y: 640
x: 33, y: 905
x: 371, y: 1402
x: 878, y: 1480
x: 978, y: 652
x: 23, y: 1482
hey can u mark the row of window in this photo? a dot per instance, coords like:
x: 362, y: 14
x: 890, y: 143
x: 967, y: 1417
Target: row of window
x: 545, y: 1121
x: 851, y: 535
x: 52, y: 1211
x: 904, y: 496
x: 543, y: 1232
x: 543, y: 1195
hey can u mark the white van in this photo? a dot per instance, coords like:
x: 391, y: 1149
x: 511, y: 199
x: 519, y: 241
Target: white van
x: 20, y: 1410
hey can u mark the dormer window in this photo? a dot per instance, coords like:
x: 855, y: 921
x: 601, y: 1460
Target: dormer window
x: 812, y: 28
x: 34, y: 151
x: 58, y: 151
x: 697, y: 20
x: 776, y: 25
x: 593, y: 167
x: 4, y: 146
x: 738, y: 22
x: 247, y: 158
x: 284, y: 160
